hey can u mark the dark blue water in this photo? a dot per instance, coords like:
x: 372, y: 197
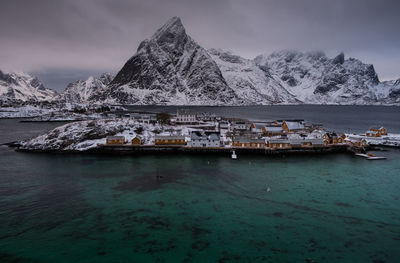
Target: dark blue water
x: 199, y: 208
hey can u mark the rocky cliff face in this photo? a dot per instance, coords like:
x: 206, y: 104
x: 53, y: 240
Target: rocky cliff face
x: 170, y: 68
x: 24, y: 87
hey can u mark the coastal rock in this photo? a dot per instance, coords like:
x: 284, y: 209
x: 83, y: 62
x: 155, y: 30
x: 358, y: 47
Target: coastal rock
x: 85, y: 135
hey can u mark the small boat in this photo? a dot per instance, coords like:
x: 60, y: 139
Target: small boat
x: 234, y: 157
x: 370, y: 156
x: 362, y: 155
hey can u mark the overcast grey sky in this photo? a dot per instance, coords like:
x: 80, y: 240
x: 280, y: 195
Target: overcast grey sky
x: 61, y: 40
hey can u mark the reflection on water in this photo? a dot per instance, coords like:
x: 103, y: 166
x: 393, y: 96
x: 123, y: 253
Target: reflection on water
x: 199, y: 208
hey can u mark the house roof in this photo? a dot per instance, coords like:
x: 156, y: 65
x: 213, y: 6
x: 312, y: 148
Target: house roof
x: 258, y: 125
x: 241, y: 139
x: 279, y: 140
x: 212, y: 135
x: 273, y: 128
x: 296, y: 141
x: 331, y: 134
x: 186, y: 112
x: 294, y: 125
x: 204, y: 135
x: 316, y: 141
x: 248, y: 140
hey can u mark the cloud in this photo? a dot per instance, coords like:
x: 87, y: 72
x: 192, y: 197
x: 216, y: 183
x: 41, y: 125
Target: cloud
x: 100, y: 35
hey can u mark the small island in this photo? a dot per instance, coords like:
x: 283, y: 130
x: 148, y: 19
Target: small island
x: 188, y: 131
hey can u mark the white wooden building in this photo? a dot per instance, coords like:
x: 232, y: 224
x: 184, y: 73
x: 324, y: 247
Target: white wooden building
x: 205, y: 139
x: 186, y: 116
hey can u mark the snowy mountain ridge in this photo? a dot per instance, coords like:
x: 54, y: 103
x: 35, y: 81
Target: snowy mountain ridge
x: 314, y: 78
x: 81, y: 91
x: 170, y: 68
x: 24, y: 87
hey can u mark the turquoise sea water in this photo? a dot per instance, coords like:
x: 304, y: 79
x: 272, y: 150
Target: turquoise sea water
x: 196, y: 208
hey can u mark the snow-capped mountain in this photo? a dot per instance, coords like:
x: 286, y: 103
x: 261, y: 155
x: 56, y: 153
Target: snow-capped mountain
x: 81, y: 91
x: 388, y: 91
x: 170, y: 68
x: 316, y: 79
x: 252, y: 83
x: 24, y: 87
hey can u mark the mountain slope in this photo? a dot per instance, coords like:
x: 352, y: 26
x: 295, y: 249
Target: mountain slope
x: 314, y: 78
x: 22, y: 86
x: 170, y: 68
x: 253, y: 84
x: 81, y: 91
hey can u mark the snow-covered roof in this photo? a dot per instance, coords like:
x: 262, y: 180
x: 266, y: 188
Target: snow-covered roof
x: 213, y: 136
x: 280, y: 140
x: 204, y: 135
x: 273, y: 128
x: 315, y: 141
x: 294, y: 125
x: 258, y: 125
x: 296, y: 141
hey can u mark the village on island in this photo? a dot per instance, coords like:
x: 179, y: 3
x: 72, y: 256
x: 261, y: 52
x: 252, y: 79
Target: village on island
x: 122, y: 131
x: 208, y: 132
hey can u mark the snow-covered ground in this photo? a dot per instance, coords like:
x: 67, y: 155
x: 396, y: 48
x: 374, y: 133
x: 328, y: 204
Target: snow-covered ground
x: 85, y: 135
x: 24, y: 111
x: 24, y: 87
x: 386, y: 140
x: 56, y: 111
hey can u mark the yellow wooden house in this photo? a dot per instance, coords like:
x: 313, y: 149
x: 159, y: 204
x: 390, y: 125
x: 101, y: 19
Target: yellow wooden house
x: 279, y: 144
x: 373, y: 134
x: 169, y: 140
x: 136, y: 141
x: 292, y: 126
x: 243, y: 142
x: 115, y: 140
x: 380, y: 130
